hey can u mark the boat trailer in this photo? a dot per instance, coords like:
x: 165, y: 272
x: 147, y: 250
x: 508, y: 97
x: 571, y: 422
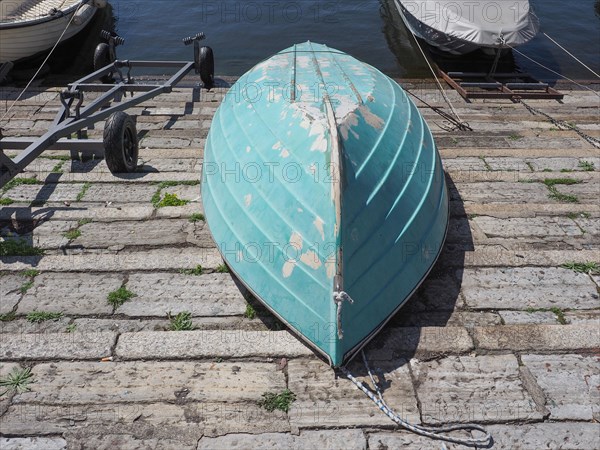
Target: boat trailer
x: 120, y: 144
x: 512, y: 86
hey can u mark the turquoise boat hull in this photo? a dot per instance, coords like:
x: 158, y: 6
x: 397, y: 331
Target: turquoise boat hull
x: 325, y: 193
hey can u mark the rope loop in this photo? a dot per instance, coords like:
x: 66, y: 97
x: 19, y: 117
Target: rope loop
x: 431, y: 432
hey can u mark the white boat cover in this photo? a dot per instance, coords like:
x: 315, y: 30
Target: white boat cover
x: 480, y: 22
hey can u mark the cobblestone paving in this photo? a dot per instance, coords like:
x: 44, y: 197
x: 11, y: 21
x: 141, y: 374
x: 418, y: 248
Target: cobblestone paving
x: 504, y: 332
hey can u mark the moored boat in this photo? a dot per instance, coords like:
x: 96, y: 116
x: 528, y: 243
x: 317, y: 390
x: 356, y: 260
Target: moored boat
x: 325, y: 193
x: 460, y: 27
x: 28, y: 27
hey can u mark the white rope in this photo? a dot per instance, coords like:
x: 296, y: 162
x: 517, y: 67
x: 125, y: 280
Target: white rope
x: 339, y: 298
x: 43, y: 64
x: 571, y: 55
x: 430, y: 432
x: 437, y: 80
x: 554, y: 72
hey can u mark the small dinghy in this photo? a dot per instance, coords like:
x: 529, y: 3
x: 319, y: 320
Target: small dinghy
x: 28, y: 27
x: 325, y: 194
x: 460, y: 27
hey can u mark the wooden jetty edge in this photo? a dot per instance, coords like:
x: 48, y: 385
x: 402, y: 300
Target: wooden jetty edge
x: 505, y: 331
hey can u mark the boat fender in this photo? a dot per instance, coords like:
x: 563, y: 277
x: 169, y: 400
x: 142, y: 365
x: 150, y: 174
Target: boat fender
x: 99, y: 3
x: 83, y: 14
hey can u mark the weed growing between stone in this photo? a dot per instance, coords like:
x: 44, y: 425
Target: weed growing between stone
x: 198, y: 270
x: 588, y: 267
x: 17, y: 381
x: 271, y: 401
x: 20, y: 247
x: 180, y: 322
x: 120, y: 296
x: 40, y: 316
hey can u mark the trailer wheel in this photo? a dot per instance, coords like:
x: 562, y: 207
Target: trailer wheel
x: 207, y: 66
x: 102, y: 59
x: 121, y: 146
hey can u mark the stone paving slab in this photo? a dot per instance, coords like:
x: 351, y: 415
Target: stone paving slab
x: 307, y: 440
x: 83, y: 210
x: 449, y: 150
x: 482, y: 389
x: 119, y: 193
x: 503, y: 192
x: 393, y: 343
x: 89, y: 325
x: 71, y: 293
x: 565, y: 435
x: 124, y: 234
x: 54, y: 193
x: 82, y: 383
x: 591, y: 226
x: 24, y: 326
x: 538, y: 226
x: 585, y: 192
x: 205, y: 344
x: 213, y: 294
x: 34, y: 443
x: 151, y: 260
x: 10, y: 291
x: 571, y: 384
x: 539, y: 338
x: 437, y: 293
x: 498, y: 256
x: 48, y: 346
x: 405, y: 439
x: 583, y: 317
x: 324, y: 401
x: 527, y: 287
x: 179, y: 212
x: 47, y: 235
x: 103, y: 441
x: 182, y: 419
x: 558, y: 164
x: 507, y: 163
x: 532, y: 210
x: 6, y: 368
x: 526, y: 317
x: 434, y: 318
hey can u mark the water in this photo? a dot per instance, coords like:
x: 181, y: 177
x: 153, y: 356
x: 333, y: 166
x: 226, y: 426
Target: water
x: 243, y: 33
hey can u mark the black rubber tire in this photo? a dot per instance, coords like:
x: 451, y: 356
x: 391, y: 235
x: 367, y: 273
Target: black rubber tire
x: 121, y: 146
x: 207, y: 66
x: 102, y: 59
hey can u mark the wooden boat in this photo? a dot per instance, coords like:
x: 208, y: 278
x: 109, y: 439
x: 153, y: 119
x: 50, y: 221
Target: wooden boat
x: 325, y: 194
x: 28, y: 27
x: 460, y: 27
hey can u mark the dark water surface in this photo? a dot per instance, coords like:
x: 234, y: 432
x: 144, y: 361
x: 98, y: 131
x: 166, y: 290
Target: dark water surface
x: 243, y: 33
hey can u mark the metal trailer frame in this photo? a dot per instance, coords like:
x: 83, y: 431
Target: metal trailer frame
x: 498, y: 85
x: 73, y: 117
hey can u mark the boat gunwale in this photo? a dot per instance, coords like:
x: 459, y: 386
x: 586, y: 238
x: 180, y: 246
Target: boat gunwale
x: 24, y: 23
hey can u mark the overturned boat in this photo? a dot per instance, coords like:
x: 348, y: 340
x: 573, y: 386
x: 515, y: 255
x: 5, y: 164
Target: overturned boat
x: 325, y: 193
x: 460, y: 27
x: 28, y: 27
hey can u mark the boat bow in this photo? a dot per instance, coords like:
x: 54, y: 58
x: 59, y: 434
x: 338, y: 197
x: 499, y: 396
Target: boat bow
x: 310, y: 197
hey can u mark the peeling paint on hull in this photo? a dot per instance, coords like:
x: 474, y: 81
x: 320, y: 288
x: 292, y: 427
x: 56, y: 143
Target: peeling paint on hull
x: 343, y: 183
